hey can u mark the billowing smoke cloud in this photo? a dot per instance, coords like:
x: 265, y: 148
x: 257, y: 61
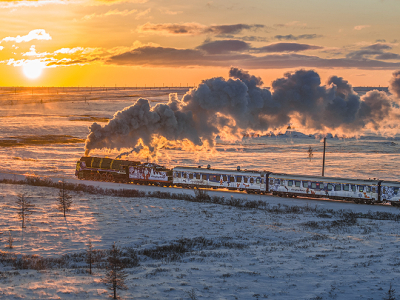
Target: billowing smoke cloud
x: 240, y: 104
x: 395, y: 84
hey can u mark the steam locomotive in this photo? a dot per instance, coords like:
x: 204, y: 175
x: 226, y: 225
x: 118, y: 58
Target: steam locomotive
x: 125, y: 171
x: 251, y: 181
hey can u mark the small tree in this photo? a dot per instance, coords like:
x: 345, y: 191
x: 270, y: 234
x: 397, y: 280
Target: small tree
x: 390, y: 295
x: 25, y: 208
x: 10, y: 240
x: 89, y: 255
x: 64, y: 199
x: 115, y: 275
x: 310, y: 152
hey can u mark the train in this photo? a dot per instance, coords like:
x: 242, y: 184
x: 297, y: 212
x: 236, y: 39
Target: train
x: 369, y: 191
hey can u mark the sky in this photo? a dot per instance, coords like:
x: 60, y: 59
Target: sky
x: 180, y: 42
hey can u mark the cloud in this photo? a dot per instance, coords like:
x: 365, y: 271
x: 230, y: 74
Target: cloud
x: 172, y: 57
x: 1, y: 48
x: 170, y: 12
x: 172, y: 29
x: 287, y: 47
x: 232, y: 29
x: 292, y: 24
x: 360, y: 27
x: 143, y: 13
x: 71, y: 61
x: 224, y: 46
x: 394, y: 85
x: 168, y: 57
x: 252, y: 38
x: 376, y: 51
x: 112, y: 2
x: 228, y: 46
x: 379, y: 46
x: 29, y: 3
x: 32, y: 52
x: 291, y: 37
x: 37, y: 34
x: 114, y: 12
x: 196, y: 28
x: 68, y: 50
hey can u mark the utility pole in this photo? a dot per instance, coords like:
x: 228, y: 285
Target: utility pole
x: 323, y: 158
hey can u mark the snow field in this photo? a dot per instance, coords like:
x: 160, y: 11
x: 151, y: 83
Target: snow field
x: 229, y: 252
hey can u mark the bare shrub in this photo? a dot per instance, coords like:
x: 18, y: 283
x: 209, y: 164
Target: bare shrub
x: 25, y: 208
x: 64, y: 199
x: 390, y: 294
x: 192, y: 294
x: 201, y: 195
x: 10, y: 240
x: 115, y: 275
x: 89, y: 255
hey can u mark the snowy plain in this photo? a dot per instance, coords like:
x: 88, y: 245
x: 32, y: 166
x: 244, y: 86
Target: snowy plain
x: 249, y: 254
x: 303, y: 249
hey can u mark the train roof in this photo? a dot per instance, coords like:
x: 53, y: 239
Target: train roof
x: 222, y: 171
x: 393, y: 183
x: 325, y: 179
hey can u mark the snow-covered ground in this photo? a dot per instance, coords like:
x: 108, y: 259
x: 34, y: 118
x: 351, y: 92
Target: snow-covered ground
x: 234, y: 254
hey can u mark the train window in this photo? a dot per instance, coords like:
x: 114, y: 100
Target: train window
x: 198, y: 176
x: 262, y: 180
x: 338, y: 187
x: 231, y: 179
x: 367, y: 189
x: 360, y: 188
x: 213, y: 177
x: 258, y: 180
x: 305, y: 184
x: 373, y: 189
x: 204, y: 177
x: 224, y: 178
x: 353, y: 188
x: 218, y: 177
x: 179, y: 174
x: 175, y: 174
x: 251, y: 180
x: 345, y: 187
x: 313, y: 185
x: 396, y: 191
x: 191, y: 176
x: 238, y: 178
x: 290, y: 182
x: 297, y: 183
x: 329, y: 187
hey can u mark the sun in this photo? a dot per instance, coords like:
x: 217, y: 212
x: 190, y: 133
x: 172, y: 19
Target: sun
x: 32, y: 69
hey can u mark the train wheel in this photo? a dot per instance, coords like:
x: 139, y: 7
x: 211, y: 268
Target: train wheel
x: 96, y: 176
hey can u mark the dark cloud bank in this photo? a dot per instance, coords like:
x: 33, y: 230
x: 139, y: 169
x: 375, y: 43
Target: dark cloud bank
x: 225, y: 53
x: 239, y: 104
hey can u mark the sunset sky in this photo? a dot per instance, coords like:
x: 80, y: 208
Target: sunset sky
x: 180, y: 42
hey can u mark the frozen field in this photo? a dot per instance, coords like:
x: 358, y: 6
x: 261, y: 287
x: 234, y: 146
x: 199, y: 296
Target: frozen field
x: 292, y: 249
